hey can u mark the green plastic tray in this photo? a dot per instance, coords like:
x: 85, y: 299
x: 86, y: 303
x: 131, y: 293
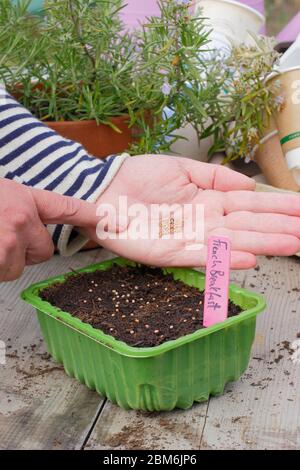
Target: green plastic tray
x: 174, y: 374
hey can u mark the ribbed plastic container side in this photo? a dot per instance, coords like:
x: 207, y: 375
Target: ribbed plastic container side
x: 174, y: 379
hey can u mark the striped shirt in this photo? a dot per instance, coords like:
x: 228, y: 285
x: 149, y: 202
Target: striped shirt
x: 33, y: 154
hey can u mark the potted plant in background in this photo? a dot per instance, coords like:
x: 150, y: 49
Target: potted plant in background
x: 92, y: 81
x: 80, y: 72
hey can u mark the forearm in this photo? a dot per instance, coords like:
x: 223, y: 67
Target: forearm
x: 33, y: 154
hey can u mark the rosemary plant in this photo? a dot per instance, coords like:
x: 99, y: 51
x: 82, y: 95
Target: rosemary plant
x: 247, y: 101
x: 78, y: 62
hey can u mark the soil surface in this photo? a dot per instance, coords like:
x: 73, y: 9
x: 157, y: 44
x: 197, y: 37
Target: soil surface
x: 140, y: 306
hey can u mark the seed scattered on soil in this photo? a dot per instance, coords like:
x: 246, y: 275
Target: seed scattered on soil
x: 171, y: 314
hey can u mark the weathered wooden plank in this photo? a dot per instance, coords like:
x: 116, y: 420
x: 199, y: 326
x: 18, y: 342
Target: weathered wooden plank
x: 119, y: 429
x: 40, y: 406
x: 262, y: 411
x: 259, y: 411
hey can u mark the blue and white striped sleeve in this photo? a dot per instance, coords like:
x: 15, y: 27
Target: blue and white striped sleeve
x: 33, y: 154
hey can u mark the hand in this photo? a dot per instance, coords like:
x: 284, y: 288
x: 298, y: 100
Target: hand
x: 23, y: 213
x: 256, y: 223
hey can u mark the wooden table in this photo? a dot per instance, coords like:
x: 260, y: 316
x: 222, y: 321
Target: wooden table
x: 42, y: 408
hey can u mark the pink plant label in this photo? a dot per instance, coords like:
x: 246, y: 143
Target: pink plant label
x: 217, y: 280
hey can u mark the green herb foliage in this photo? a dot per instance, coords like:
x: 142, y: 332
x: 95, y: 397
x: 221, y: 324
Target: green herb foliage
x: 78, y: 62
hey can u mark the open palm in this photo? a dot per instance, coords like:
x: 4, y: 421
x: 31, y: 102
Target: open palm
x: 256, y: 223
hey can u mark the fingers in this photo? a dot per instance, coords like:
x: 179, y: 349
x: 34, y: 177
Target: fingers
x: 173, y: 253
x: 209, y: 176
x: 261, y: 243
x: 15, y: 253
x: 40, y: 248
x: 239, y: 259
x: 264, y: 223
x: 242, y: 260
x: 262, y: 202
x: 12, y: 258
x: 54, y: 208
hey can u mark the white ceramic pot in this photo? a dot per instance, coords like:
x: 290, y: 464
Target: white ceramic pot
x: 230, y: 20
x: 291, y: 58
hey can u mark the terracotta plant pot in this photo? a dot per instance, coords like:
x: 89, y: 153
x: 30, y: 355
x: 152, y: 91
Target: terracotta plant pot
x: 99, y: 140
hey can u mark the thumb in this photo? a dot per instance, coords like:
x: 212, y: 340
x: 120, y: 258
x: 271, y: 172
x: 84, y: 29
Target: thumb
x: 210, y: 176
x: 54, y: 208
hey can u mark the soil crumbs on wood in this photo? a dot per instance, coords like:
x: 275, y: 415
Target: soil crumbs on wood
x: 140, y: 306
